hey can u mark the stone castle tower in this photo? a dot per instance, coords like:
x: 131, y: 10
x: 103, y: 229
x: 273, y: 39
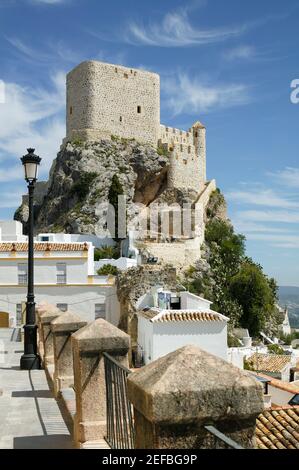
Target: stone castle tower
x: 105, y: 100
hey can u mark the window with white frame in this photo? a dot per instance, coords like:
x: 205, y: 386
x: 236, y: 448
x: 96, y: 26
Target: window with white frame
x: 22, y: 274
x: 62, y: 307
x: 100, y: 311
x: 19, y: 318
x: 61, y: 273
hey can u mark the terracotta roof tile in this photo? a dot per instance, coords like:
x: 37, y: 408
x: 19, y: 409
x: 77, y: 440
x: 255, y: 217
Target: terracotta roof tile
x: 287, y: 386
x: 43, y: 246
x: 278, y: 428
x: 162, y: 316
x: 269, y: 362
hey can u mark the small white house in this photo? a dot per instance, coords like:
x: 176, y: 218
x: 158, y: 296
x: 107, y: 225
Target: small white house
x: 178, y: 319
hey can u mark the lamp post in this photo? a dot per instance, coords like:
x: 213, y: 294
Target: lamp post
x: 30, y: 359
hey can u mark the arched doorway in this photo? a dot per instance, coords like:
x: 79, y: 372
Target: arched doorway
x: 4, y: 320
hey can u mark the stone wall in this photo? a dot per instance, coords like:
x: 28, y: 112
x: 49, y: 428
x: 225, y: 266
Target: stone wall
x: 187, y: 156
x: 105, y: 99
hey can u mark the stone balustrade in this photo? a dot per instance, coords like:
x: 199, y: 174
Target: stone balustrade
x: 45, y: 318
x: 62, y: 328
x: 180, y: 393
x: 39, y: 310
x: 89, y: 343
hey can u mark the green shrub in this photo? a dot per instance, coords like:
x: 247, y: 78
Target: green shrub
x: 233, y: 342
x: 77, y: 142
x: 275, y: 349
x: 106, y: 252
x: 162, y: 151
x: 81, y: 188
x: 107, y: 269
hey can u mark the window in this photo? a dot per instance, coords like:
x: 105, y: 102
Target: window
x: 62, y: 307
x: 61, y: 273
x: 120, y: 119
x: 19, y: 314
x: 139, y: 109
x: 45, y: 239
x: 100, y: 311
x: 71, y: 110
x: 22, y: 274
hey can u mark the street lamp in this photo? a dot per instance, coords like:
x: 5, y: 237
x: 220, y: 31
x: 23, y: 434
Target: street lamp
x: 30, y: 359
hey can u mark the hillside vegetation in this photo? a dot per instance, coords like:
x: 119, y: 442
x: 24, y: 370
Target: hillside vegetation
x: 236, y: 284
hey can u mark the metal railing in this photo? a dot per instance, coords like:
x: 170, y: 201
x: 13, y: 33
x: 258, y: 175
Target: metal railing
x: 220, y: 440
x: 120, y: 425
x: 61, y: 279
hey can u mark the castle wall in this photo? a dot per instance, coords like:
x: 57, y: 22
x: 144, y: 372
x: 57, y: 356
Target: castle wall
x: 187, y: 157
x: 105, y: 100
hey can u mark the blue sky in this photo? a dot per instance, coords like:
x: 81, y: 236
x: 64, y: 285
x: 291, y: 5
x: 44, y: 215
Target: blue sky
x: 229, y: 64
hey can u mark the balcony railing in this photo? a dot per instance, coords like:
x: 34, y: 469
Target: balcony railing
x: 61, y: 279
x: 22, y: 279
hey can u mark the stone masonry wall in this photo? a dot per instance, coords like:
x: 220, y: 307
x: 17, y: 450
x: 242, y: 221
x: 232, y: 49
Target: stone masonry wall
x: 105, y: 99
x: 187, y: 156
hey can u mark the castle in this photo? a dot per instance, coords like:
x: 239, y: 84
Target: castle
x: 105, y: 99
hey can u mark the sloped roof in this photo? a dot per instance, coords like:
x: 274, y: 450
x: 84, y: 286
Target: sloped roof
x: 156, y: 315
x: 278, y: 428
x: 43, y: 246
x: 290, y: 387
x: 269, y: 362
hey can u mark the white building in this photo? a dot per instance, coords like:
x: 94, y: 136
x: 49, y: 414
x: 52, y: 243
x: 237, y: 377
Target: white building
x: 64, y: 276
x: 168, y: 321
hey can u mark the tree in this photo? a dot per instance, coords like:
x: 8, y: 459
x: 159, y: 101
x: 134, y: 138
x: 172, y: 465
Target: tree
x: 254, y: 292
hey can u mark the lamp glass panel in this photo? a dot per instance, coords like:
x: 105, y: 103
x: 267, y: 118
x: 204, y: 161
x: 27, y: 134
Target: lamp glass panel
x: 31, y: 171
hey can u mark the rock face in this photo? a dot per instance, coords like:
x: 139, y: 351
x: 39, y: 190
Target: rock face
x: 80, y: 179
x: 134, y: 283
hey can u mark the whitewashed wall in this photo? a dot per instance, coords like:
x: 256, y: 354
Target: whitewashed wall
x: 193, y: 302
x: 145, y: 338
x: 158, y: 339
x: 80, y: 299
x: 280, y: 397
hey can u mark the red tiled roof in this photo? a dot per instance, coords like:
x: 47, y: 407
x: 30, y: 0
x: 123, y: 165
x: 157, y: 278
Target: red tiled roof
x: 278, y: 428
x: 43, y: 246
x: 286, y: 386
x: 163, y: 316
x: 269, y: 362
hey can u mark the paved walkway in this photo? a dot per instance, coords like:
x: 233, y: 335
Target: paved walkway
x: 29, y: 415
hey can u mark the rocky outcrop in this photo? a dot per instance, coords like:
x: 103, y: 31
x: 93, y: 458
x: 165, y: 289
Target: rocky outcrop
x: 133, y: 284
x: 80, y: 179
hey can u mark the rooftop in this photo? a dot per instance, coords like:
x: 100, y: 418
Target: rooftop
x: 43, y: 246
x: 269, y: 362
x: 156, y: 315
x: 286, y: 386
x: 278, y: 428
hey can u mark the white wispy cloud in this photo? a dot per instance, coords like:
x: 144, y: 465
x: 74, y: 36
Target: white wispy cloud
x: 10, y: 199
x: 269, y: 216
x: 191, y: 95
x: 289, y: 177
x: 176, y: 30
x: 48, y: 54
x: 282, y: 241
x: 240, y: 53
x: 31, y: 118
x: 49, y: 2
x: 263, y: 197
x: 244, y: 226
